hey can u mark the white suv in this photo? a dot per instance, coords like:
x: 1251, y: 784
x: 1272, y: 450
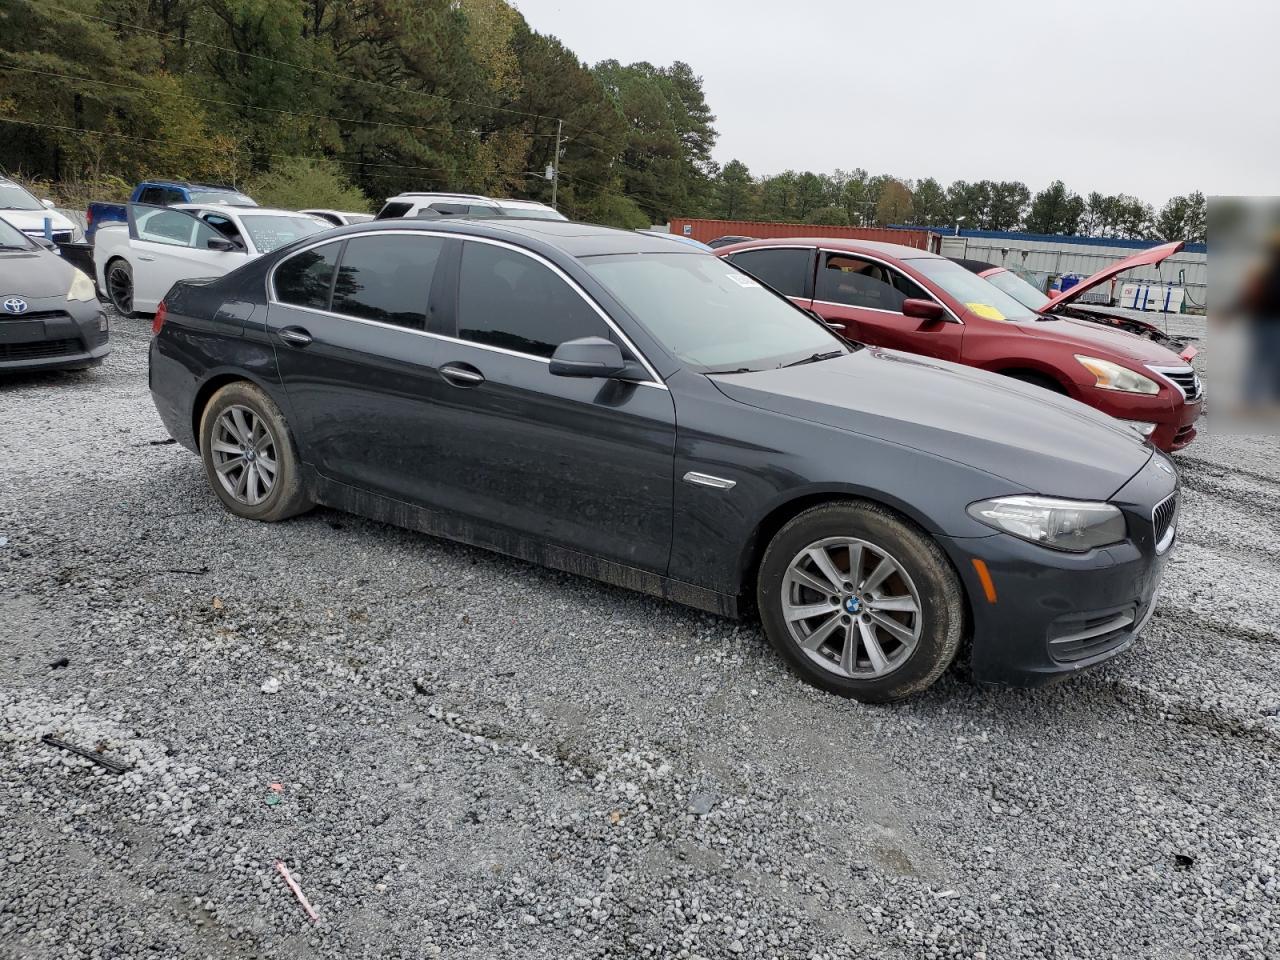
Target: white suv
x: 465, y: 205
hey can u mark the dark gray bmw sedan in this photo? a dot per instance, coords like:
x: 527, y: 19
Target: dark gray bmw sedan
x: 608, y: 404
x: 49, y: 312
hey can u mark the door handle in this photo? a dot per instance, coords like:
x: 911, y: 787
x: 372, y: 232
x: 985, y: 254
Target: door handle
x: 834, y: 326
x: 147, y: 259
x: 295, y: 336
x: 461, y: 375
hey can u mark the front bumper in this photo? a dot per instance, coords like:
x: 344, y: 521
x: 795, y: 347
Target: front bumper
x: 53, y: 334
x: 1174, y: 416
x: 1055, y: 614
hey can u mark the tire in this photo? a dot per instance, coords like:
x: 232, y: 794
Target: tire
x: 242, y: 417
x: 119, y: 280
x: 912, y: 653
x: 1037, y: 380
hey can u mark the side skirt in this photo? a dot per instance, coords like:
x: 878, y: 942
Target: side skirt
x: 341, y: 496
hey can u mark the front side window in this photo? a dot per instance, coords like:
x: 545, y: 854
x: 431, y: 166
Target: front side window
x: 394, y: 209
x: 507, y: 299
x: 304, y: 280
x: 854, y: 282
x: 387, y: 278
x: 710, y: 314
x: 272, y: 231
x: 171, y: 227
x: 786, y: 270
x: 980, y: 296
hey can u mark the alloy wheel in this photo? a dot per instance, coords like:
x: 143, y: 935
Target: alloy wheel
x: 244, y: 455
x: 851, y: 607
x: 120, y: 289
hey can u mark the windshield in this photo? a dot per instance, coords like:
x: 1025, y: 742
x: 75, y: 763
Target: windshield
x: 710, y: 314
x: 11, y: 236
x: 269, y: 231
x: 14, y: 197
x: 221, y: 196
x: 1018, y: 288
x: 533, y: 213
x: 981, y: 296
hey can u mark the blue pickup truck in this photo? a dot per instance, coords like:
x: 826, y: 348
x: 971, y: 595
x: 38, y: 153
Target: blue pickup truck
x: 162, y: 193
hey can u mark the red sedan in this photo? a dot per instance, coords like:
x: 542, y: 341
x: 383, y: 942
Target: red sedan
x: 908, y: 299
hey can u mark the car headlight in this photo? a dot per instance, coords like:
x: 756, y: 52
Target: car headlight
x: 81, y: 288
x: 1112, y: 376
x: 77, y: 235
x: 1076, y: 526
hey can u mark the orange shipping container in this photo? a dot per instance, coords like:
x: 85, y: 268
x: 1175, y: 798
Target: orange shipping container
x: 708, y: 230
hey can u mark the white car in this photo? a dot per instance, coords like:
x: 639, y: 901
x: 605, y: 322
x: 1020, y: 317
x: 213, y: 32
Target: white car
x: 136, y: 263
x: 340, y: 218
x: 465, y: 205
x: 24, y: 211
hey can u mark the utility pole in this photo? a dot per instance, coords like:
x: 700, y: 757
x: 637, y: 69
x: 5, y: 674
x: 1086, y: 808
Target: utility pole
x: 555, y: 165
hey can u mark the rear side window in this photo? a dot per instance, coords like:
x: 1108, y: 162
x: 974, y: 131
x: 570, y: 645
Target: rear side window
x: 152, y: 195
x: 304, y: 280
x: 387, y: 279
x: 394, y: 209
x: 857, y: 283
x: 509, y: 300
x: 784, y: 270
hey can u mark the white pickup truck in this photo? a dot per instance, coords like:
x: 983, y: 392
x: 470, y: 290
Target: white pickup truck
x: 138, y: 261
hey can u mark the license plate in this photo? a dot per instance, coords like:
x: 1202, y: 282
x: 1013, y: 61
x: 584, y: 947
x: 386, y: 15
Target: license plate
x: 22, y: 331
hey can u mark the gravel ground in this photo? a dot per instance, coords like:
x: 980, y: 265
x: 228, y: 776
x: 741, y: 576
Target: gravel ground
x: 480, y: 758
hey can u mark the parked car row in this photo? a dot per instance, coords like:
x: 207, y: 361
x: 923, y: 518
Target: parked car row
x: 909, y: 299
x: 653, y: 415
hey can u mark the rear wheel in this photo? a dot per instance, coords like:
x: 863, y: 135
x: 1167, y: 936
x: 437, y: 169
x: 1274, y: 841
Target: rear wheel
x: 860, y: 602
x: 249, y: 457
x: 120, y: 286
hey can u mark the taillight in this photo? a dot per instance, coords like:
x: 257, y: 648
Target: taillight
x: 161, y: 312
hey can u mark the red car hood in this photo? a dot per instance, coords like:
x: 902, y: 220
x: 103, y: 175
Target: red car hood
x: 1146, y: 258
x: 1090, y: 338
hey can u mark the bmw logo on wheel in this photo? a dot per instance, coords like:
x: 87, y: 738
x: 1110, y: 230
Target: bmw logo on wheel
x: 15, y: 305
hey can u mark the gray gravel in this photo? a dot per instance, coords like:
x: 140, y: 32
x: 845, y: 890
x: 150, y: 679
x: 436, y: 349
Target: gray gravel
x: 480, y: 758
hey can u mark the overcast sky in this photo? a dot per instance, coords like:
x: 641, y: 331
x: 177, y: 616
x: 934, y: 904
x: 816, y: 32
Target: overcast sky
x: 1147, y: 97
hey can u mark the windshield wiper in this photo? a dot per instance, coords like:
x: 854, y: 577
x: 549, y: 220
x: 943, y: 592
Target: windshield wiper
x: 712, y: 373
x: 813, y: 358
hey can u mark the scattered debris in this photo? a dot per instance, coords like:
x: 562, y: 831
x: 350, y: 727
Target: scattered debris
x: 1183, y: 862
x: 1271, y: 711
x: 4, y: 541
x: 615, y: 818
x: 60, y: 664
x: 270, y: 685
x: 217, y: 603
x: 199, y: 572
x: 701, y: 803
x: 106, y: 763
x: 273, y: 799
x: 161, y: 443
x: 297, y: 891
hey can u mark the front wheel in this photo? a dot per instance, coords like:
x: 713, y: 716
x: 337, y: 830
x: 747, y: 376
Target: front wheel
x: 860, y: 602
x: 249, y: 457
x: 119, y: 277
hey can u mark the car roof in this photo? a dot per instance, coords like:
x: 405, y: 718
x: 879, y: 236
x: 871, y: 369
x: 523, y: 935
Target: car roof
x: 567, y: 236
x: 189, y: 183
x: 510, y: 202
x: 232, y: 209
x: 897, y: 250
x: 442, y: 196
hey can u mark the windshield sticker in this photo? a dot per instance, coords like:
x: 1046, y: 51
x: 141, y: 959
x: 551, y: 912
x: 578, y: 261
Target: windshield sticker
x: 742, y: 280
x: 986, y: 310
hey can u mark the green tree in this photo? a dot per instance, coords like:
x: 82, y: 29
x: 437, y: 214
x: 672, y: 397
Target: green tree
x: 1055, y: 210
x: 893, y: 205
x: 734, y: 192
x: 929, y: 204
x: 295, y: 184
x: 829, y: 216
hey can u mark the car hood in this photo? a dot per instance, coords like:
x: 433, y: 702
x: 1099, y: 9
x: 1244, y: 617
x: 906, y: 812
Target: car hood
x: 32, y: 221
x: 1101, y: 341
x: 1037, y: 440
x: 32, y: 274
x: 1146, y: 258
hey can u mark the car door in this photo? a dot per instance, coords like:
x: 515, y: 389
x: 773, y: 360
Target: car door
x: 864, y: 296
x: 789, y: 270
x: 581, y: 463
x: 350, y: 322
x: 168, y: 245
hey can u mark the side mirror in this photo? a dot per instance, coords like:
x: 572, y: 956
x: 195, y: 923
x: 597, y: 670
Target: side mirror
x: 218, y: 243
x: 48, y: 204
x: 45, y: 242
x: 588, y: 357
x: 923, y: 310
